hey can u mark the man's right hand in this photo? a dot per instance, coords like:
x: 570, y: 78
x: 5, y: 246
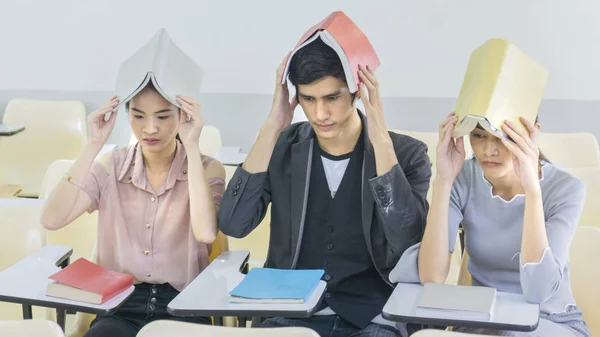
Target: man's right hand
x: 99, y: 129
x: 282, y: 110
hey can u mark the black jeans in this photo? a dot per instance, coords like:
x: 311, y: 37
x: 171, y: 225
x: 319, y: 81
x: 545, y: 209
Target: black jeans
x: 148, y: 303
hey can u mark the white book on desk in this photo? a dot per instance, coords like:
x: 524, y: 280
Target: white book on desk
x: 456, y: 302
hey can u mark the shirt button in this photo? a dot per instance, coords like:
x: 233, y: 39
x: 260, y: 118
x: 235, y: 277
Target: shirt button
x: 152, y: 307
x: 154, y: 290
x: 146, y: 252
x: 148, y: 275
x: 153, y: 300
x: 327, y: 277
x: 153, y: 199
x: 327, y: 295
x: 184, y: 171
x: 147, y: 225
x: 330, y: 246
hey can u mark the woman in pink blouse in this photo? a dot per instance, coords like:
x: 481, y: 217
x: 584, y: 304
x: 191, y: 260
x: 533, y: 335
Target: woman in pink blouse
x: 157, y: 205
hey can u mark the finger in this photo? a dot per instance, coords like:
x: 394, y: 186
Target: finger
x: 365, y: 99
x: 513, y: 148
x: 281, y: 67
x: 446, y: 136
x: 517, y: 137
x: 370, y: 88
x: 294, y: 102
x: 532, y: 130
x: 460, y: 144
x: 369, y: 74
x: 448, y: 120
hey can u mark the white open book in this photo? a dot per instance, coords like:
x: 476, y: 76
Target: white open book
x: 162, y: 62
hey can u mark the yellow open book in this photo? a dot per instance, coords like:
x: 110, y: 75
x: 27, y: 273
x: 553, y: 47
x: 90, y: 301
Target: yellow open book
x: 502, y: 83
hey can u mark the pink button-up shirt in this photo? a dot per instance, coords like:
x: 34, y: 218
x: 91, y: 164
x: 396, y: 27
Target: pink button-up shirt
x: 144, y: 233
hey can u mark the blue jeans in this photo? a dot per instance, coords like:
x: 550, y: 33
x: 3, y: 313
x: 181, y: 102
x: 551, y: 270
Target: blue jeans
x: 333, y: 326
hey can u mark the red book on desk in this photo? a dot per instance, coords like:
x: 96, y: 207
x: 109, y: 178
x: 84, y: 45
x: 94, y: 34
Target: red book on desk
x: 85, y: 281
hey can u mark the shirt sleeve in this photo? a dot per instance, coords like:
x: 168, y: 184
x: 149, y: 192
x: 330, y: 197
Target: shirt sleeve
x: 540, y: 280
x: 94, y: 183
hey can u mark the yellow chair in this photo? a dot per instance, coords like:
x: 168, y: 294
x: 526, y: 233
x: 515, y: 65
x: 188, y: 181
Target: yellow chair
x: 21, y: 234
x: 184, y: 329
x: 591, y: 209
x: 464, y: 276
x: 256, y: 242
x: 54, y: 130
x: 570, y: 150
x: 30, y: 328
x: 584, y: 276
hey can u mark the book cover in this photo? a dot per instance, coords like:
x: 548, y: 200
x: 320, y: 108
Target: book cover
x: 456, y: 302
x: 86, y: 281
x: 266, y: 285
x: 353, y: 47
x: 162, y: 62
x: 501, y: 83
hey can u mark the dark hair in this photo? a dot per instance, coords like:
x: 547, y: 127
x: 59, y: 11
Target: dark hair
x: 150, y: 86
x: 542, y: 156
x: 314, y: 62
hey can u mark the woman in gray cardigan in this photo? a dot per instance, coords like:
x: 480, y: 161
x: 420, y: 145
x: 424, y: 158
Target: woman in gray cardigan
x: 519, y: 213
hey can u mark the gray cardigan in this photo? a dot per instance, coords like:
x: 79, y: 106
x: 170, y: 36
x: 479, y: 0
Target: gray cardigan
x: 493, y: 229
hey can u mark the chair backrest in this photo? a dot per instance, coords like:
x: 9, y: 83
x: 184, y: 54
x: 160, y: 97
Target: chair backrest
x: 53, y: 130
x: 183, y: 329
x: 464, y: 276
x: 570, y: 150
x: 81, y: 234
x: 219, y: 246
x: 257, y: 242
x: 585, y: 278
x: 29, y: 328
x: 590, y: 215
x: 210, y: 140
x: 21, y: 234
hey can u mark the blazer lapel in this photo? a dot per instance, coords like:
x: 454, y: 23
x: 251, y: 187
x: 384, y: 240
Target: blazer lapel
x: 302, y: 154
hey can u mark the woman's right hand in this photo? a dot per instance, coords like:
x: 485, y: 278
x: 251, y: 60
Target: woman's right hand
x: 99, y: 129
x: 450, y: 152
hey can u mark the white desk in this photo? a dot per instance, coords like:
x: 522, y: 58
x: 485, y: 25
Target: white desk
x: 511, y: 311
x: 208, y: 294
x: 26, y: 281
x: 230, y: 155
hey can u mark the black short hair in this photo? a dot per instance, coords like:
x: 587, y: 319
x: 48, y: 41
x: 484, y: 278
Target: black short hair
x: 314, y: 62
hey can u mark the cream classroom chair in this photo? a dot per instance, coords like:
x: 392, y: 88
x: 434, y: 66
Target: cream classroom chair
x: 210, y: 140
x: 585, y: 278
x: 54, y: 130
x: 591, y: 210
x: 570, y: 150
x: 21, y: 234
x: 184, y: 329
x: 30, y: 328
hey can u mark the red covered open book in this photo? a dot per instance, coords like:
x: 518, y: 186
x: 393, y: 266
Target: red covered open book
x: 85, y: 281
x: 348, y: 41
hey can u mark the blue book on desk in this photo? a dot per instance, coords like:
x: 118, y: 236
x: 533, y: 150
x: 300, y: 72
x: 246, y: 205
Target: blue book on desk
x: 281, y: 286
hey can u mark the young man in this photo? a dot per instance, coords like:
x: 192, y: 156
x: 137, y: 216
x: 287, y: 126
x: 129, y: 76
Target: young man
x: 346, y: 195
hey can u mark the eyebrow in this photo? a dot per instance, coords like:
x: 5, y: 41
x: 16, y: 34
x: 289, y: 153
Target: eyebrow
x: 157, y: 112
x: 333, y: 94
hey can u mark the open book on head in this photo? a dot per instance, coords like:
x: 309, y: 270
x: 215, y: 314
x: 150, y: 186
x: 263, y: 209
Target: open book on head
x: 349, y: 42
x: 501, y: 83
x: 160, y: 62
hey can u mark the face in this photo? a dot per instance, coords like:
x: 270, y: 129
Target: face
x: 328, y: 105
x: 493, y: 157
x: 154, y: 120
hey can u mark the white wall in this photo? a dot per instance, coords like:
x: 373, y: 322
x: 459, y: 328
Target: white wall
x: 424, y: 45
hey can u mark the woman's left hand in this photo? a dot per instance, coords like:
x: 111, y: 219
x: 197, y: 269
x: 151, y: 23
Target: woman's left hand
x: 189, y: 128
x: 525, y: 153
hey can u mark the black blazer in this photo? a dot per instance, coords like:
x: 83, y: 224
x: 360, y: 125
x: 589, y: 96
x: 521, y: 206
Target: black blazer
x: 394, y: 206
